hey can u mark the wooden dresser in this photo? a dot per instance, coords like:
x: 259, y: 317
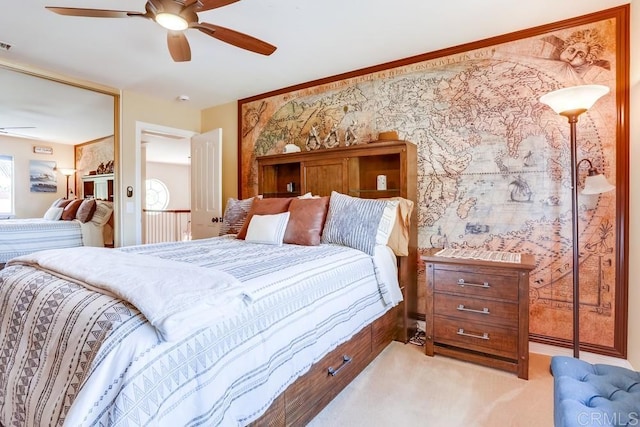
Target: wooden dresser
x: 479, y: 310
x: 354, y: 170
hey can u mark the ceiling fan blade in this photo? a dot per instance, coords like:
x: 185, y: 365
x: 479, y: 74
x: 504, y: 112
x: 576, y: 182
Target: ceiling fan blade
x: 16, y: 127
x: 236, y: 38
x: 178, y: 46
x: 213, y: 4
x: 92, y: 13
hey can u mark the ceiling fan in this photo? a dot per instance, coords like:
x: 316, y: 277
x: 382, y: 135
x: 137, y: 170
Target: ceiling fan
x: 177, y: 16
x: 8, y: 130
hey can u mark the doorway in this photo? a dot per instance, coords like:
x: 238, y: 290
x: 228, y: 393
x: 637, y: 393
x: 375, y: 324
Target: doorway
x: 164, y: 176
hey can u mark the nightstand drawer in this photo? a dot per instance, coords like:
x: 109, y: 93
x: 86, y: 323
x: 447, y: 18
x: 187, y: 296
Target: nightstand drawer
x: 477, y: 284
x: 485, y: 338
x: 476, y: 309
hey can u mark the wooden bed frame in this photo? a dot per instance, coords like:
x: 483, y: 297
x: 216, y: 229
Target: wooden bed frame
x: 310, y: 393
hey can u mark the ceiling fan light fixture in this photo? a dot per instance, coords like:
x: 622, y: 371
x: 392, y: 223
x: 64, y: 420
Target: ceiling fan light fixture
x: 172, y: 21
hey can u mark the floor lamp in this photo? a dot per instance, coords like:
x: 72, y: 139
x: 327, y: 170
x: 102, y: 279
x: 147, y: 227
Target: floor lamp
x: 67, y: 173
x: 571, y: 102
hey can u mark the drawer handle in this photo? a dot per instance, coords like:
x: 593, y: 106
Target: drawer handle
x: 345, y: 360
x: 484, y: 336
x: 485, y: 310
x: 462, y: 283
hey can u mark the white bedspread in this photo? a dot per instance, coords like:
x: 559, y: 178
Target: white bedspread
x: 72, y: 356
x: 176, y: 298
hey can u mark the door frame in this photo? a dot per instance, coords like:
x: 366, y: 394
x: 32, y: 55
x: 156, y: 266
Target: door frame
x: 137, y: 201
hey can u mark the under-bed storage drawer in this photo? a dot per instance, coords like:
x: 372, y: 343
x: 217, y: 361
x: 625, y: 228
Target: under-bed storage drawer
x: 306, y: 397
x: 320, y: 382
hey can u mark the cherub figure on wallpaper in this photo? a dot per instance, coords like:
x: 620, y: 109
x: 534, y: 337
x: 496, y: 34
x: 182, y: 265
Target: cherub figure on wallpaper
x: 580, y: 53
x: 332, y: 140
x: 313, y: 139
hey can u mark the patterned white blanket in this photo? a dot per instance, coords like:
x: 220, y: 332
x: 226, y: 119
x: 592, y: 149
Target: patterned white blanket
x: 71, y: 355
x: 175, y: 297
x: 23, y: 236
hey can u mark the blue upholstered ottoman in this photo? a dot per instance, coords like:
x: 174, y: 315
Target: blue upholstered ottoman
x: 594, y: 395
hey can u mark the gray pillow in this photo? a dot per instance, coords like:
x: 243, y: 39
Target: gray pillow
x: 353, y: 222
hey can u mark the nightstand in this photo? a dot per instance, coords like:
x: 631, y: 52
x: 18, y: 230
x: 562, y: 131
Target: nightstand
x: 478, y: 310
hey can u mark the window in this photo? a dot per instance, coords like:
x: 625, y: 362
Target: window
x: 6, y: 185
x: 157, y: 195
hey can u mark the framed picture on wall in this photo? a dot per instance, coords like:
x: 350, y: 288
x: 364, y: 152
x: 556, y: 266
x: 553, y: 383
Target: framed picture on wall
x: 42, y: 177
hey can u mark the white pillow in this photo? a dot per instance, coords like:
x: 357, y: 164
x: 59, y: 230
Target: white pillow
x: 53, y: 213
x: 267, y: 229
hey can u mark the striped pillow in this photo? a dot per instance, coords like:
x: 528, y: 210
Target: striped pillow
x: 235, y: 214
x: 102, y: 214
x: 356, y: 222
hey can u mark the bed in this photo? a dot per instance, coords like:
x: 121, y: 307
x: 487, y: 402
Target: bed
x: 27, y: 235
x: 128, y: 336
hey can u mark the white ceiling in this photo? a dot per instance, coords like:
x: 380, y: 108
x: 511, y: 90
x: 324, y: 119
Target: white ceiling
x: 315, y: 39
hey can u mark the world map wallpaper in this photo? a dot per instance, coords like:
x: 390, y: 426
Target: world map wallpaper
x: 493, y: 161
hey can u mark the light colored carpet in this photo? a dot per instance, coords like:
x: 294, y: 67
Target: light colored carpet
x: 403, y: 387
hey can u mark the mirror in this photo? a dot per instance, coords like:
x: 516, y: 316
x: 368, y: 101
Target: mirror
x: 72, y: 123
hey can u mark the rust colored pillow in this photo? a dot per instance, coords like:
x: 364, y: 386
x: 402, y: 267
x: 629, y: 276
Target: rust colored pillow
x: 86, y: 210
x: 62, y: 203
x: 306, y: 221
x: 268, y: 206
x: 70, y: 210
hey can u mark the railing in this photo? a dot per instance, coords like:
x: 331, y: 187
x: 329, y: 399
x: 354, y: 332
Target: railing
x: 166, y: 225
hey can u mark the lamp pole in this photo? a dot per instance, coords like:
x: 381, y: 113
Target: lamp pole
x: 571, y: 102
x: 67, y: 172
x: 572, y: 116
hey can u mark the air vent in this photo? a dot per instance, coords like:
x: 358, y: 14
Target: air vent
x: 5, y: 46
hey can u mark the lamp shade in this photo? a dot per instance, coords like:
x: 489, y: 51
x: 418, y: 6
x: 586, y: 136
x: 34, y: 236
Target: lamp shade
x: 596, y: 184
x: 574, y: 98
x: 66, y: 171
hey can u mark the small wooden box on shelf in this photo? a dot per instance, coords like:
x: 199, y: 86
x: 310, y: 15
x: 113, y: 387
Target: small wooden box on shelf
x: 478, y: 310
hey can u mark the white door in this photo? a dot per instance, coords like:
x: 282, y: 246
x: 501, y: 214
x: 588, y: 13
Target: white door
x: 206, y: 184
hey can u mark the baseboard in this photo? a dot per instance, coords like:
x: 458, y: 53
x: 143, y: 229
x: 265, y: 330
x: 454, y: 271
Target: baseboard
x: 551, y: 350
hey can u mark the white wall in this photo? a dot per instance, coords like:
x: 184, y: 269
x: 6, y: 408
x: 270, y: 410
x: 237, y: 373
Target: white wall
x: 28, y: 204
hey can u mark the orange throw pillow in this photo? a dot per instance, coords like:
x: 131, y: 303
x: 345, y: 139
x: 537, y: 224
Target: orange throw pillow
x: 306, y: 221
